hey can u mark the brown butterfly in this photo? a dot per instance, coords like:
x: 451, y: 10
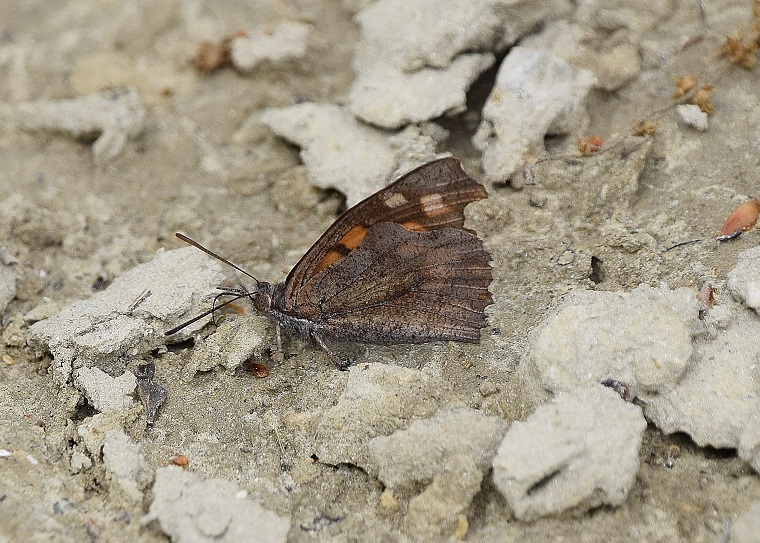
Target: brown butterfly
x: 398, y: 267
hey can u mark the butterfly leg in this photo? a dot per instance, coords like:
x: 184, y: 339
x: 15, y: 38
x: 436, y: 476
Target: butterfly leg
x: 341, y: 364
x: 277, y: 355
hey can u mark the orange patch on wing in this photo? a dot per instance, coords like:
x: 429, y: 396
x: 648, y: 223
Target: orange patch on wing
x: 345, y: 245
x: 353, y: 237
x: 413, y: 226
x: 328, y: 259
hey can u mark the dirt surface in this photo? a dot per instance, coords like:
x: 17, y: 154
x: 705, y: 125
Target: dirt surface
x: 204, y: 165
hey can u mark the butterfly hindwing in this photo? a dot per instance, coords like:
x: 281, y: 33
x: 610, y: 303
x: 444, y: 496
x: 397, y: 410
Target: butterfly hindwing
x: 401, y: 286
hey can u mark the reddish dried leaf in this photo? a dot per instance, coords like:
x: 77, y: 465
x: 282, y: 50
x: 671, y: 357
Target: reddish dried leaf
x: 179, y: 460
x: 589, y: 145
x: 259, y: 370
x: 742, y: 219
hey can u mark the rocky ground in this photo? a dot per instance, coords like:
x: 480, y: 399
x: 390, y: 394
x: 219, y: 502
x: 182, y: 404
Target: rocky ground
x: 614, y: 140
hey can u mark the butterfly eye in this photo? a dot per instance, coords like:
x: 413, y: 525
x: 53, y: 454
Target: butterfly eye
x: 261, y: 301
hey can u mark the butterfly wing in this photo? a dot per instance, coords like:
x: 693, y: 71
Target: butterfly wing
x: 401, y: 286
x: 428, y: 198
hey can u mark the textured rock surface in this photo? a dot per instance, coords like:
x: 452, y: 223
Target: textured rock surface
x: 449, y: 454
x: 205, y: 164
x: 579, y: 452
x: 413, y: 64
x: 719, y: 394
x: 115, y: 115
x: 345, y: 154
x: 744, y: 279
x: 288, y: 40
x: 643, y: 337
x: 8, y: 277
x: 233, y: 342
x: 378, y: 400
x: 190, y: 509
x: 747, y: 527
x: 105, y: 393
x: 536, y: 94
x: 130, y: 316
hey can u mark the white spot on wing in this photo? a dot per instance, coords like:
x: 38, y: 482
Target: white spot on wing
x: 432, y: 205
x: 395, y: 199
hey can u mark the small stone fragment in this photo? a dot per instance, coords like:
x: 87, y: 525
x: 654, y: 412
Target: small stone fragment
x: 613, y: 64
x: 115, y: 116
x: 578, y: 452
x: 212, y: 56
x: 450, y: 452
x: 419, y: 452
x: 603, y: 335
x: 79, y: 462
x: 435, y: 514
x: 716, y: 400
x: 125, y: 464
x: 288, y: 40
x: 746, y: 527
x: 388, y: 501
x: 345, y: 154
x: 378, y: 400
x: 414, y: 65
x: 123, y: 319
x: 535, y: 94
x: 8, y: 277
x: 188, y: 508
x: 234, y: 341
x: 744, y: 280
x: 105, y: 393
x: 749, y: 444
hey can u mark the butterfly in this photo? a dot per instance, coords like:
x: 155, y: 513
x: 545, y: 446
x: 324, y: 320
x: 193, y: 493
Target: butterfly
x: 398, y: 267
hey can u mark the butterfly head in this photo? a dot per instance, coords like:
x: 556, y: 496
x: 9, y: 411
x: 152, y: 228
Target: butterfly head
x: 261, y: 296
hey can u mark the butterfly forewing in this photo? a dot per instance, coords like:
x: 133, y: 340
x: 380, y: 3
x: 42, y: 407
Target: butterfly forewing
x: 428, y: 198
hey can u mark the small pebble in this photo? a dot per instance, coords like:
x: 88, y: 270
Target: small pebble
x: 179, y: 460
x: 488, y: 388
x: 537, y: 201
x: 694, y: 117
x: 388, y: 501
x: 463, y: 526
x: 259, y: 370
x: 567, y: 257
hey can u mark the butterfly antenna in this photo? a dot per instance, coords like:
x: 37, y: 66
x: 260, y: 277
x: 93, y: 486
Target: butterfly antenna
x: 214, y: 307
x: 211, y: 253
